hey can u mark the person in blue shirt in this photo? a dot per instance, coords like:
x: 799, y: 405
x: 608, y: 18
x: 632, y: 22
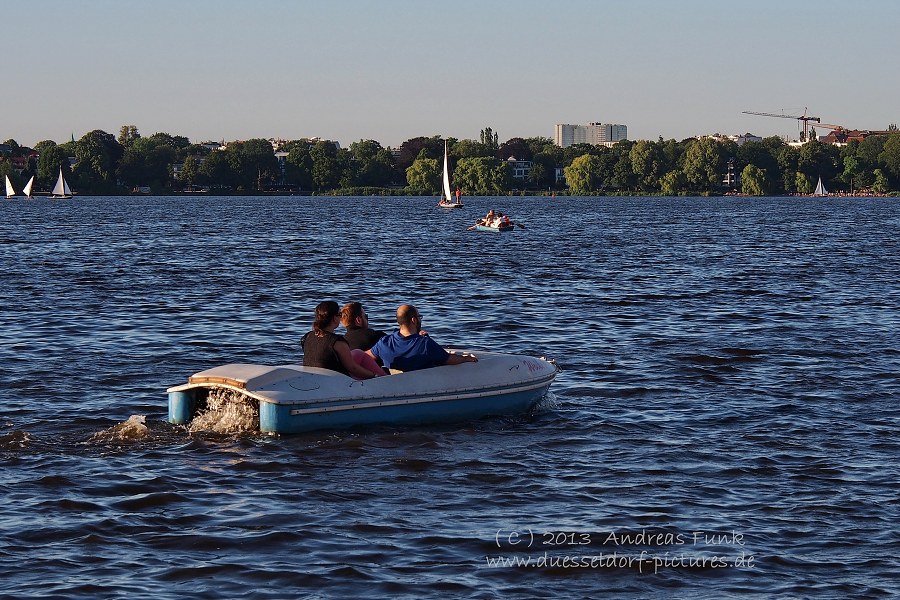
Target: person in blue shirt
x: 408, y: 350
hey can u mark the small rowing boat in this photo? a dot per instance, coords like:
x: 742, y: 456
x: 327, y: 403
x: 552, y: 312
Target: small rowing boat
x: 498, y: 229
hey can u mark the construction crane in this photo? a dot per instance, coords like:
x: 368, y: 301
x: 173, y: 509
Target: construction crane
x: 806, y: 119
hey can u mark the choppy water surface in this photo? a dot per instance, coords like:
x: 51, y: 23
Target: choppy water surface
x: 725, y: 423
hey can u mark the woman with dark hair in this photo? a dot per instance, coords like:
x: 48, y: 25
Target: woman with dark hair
x: 322, y: 347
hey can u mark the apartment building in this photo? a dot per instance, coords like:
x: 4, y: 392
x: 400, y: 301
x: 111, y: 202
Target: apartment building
x: 593, y: 133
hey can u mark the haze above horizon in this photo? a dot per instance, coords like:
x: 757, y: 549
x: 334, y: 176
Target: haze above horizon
x: 397, y: 69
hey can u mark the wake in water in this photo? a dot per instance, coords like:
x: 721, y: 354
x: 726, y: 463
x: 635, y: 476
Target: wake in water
x: 14, y: 440
x: 128, y: 431
x: 228, y: 411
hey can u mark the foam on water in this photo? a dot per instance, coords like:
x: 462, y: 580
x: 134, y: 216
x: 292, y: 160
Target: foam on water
x: 134, y: 429
x: 227, y: 411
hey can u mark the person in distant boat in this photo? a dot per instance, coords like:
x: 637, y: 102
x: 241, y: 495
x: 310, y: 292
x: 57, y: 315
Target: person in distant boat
x: 323, y: 348
x: 458, y: 194
x: 488, y: 218
x: 359, y: 335
x: 408, y: 350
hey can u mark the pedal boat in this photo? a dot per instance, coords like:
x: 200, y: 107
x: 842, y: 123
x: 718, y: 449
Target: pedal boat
x: 293, y: 398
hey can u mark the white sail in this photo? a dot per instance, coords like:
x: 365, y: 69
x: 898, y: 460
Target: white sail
x: 61, y: 189
x: 447, y: 197
x: 27, y: 190
x: 10, y: 192
x: 820, y: 189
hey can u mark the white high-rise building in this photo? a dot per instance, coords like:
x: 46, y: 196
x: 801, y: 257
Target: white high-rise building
x: 593, y: 133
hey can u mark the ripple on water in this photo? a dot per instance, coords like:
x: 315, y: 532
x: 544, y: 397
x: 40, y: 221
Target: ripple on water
x: 729, y: 365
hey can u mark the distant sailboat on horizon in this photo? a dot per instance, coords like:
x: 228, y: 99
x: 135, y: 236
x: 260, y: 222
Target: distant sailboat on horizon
x: 447, y: 200
x: 26, y: 191
x: 61, y: 190
x: 10, y: 191
x: 820, y: 189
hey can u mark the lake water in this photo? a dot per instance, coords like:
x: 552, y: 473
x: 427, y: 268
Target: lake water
x: 724, y: 425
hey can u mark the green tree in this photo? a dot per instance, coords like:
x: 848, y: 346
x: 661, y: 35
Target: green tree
x: 889, y: 156
x: 542, y: 145
x: 482, y: 175
x: 469, y: 149
x: 754, y: 181
x: 851, y: 171
x: 127, y: 135
x: 51, y: 158
x: 253, y: 164
x: 543, y: 170
x: 515, y: 147
x: 424, y: 176
x: 816, y: 160
x: 6, y: 170
x: 372, y: 164
x: 646, y: 163
x: 880, y: 185
x: 328, y: 165
x: 190, y: 169
x: 298, y: 164
x: 583, y: 174
x: 763, y: 154
x: 802, y: 183
x: 673, y: 182
x: 147, y: 161
x: 489, y: 139
x: 97, y: 156
x: 704, y: 164
x: 411, y: 149
x: 616, y: 168
x: 216, y: 171
x: 788, y: 158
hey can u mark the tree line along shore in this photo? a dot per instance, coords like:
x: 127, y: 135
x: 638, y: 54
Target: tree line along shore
x: 100, y: 163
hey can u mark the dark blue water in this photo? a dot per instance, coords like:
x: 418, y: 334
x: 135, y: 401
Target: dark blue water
x: 725, y: 423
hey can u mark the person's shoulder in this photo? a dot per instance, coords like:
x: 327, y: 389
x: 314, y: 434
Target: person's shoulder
x: 385, y: 339
x: 429, y: 342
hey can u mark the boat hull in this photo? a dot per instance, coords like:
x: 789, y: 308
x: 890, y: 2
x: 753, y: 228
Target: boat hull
x: 294, y: 399
x: 494, y: 229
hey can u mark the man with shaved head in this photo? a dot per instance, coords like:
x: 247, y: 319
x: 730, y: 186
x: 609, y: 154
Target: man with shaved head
x: 408, y: 350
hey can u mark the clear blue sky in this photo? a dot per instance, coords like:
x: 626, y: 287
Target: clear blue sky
x: 390, y: 70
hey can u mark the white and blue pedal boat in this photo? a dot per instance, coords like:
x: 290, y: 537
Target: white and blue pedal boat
x: 293, y: 398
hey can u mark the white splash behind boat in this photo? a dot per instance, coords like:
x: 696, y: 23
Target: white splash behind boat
x: 293, y: 398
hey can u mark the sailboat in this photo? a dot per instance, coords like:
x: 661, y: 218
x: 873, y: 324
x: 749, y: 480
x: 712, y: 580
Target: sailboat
x: 26, y: 191
x: 820, y: 189
x: 10, y: 191
x: 447, y: 200
x: 61, y: 190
